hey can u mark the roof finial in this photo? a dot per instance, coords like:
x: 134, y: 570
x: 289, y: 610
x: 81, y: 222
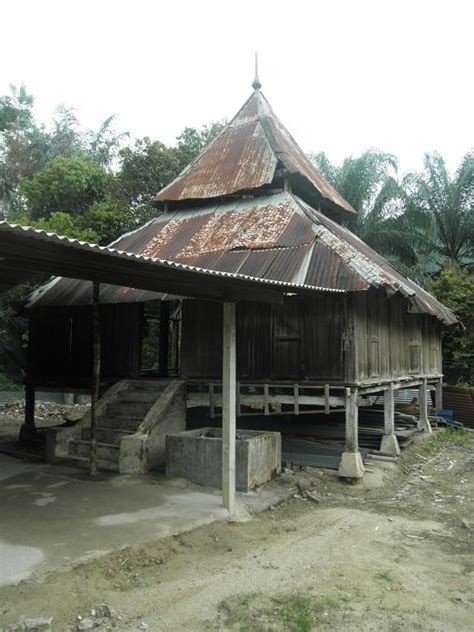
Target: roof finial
x: 256, y: 85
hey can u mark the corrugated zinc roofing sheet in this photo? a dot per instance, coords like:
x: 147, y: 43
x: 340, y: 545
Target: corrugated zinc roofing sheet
x: 244, y: 156
x: 276, y: 237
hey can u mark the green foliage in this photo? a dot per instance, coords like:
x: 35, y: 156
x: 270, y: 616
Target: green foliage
x: 439, y: 210
x: 6, y: 384
x: 145, y: 168
x: 289, y: 612
x: 368, y: 182
x: 191, y: 142
x: 448, y: 438
x: 455, y: 288
x: 69, y: 185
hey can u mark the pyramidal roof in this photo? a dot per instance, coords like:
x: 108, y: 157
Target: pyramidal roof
x: 252, y: 151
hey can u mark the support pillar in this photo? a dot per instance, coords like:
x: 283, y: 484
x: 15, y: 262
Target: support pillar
x: 389, y: 444
x: 164, y: 338
x: 28, y: 428
x: 351, y: 465
x: 423, y: 404
x: 228, y: 407
x: 95, y: 376
x: 439, y: 395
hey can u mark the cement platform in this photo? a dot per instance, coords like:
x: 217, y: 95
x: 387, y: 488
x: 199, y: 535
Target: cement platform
x: 56, y: 516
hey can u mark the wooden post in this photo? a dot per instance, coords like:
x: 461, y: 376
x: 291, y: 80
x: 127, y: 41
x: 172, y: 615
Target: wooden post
x: 439, y: 395
x: 28, y: 428
x: 266, y: 404
x: 95, y: 375
x: 326, y: 399
x: 423, y: 404
x: 351, y: 465
x: 352, y: 421
x: 228, y: 408
x: 164, y: 338
x: 389, y: 444
x: 296, y: 394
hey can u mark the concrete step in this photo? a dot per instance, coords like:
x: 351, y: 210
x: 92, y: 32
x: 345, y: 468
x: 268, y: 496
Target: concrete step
x: 105, y: 451
x: 119, y: 422
x: 147, y: 385
x: 106, y: 435
x: 139, y: 396
x: 105, y: 466
x: 127, y: 409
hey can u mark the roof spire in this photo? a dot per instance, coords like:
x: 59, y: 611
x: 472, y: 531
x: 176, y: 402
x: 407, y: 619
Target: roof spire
x: 256, y: 85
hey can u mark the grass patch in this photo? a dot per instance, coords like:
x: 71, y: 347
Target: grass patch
x: 450, y: 437
x: 385, y: 576
x: 289, y: 612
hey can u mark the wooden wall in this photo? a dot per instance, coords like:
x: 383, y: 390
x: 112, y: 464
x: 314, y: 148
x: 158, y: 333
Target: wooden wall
x: 296, y: 340
x: 391, y: 342
x: 60, y: 344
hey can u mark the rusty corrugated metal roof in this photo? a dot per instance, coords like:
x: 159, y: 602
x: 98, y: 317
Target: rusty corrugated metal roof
x: 277, y: 238
x: 245, y: 156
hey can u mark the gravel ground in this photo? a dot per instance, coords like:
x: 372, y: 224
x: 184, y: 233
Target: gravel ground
x: 391, y: 553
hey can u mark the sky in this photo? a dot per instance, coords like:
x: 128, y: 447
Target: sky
x: 343, y: 76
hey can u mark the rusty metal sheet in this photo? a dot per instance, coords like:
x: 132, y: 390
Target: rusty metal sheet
x: 239, y: 158
x: 298, y: 231
x: 244, y: 156
x: 329, y: 270
x: 287, y: 263
x: 371, y: 267
x: 258, y: 262
x: 175, y: 235
x: 296, y: 161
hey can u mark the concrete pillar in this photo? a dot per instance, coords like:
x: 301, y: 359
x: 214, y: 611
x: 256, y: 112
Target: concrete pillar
x: 389, y: 444
x: 229, y: 407
x: 439, y: 395
x: 423, y: 404
x: 351, y: 465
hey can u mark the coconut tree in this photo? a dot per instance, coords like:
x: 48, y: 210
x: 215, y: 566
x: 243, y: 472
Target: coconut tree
x: 439, y: 210
x: 369, y: 183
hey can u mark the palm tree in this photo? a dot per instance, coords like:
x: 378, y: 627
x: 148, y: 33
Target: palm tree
x: 369, y: 183
x: 439, y: 210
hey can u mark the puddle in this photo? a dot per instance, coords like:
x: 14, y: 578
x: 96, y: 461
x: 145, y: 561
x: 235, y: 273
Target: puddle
x: 18, y: 562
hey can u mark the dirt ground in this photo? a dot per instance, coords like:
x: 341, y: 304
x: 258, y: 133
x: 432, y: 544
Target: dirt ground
x: 394, y: 552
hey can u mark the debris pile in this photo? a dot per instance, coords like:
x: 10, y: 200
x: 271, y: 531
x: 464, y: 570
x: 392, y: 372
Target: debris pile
x: 45, y: 410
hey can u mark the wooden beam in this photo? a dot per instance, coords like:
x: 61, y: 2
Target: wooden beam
x: 95, y: 375
x: 229, y: 407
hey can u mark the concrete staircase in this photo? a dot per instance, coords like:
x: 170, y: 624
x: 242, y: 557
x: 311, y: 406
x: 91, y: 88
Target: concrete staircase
x: 118, y: 419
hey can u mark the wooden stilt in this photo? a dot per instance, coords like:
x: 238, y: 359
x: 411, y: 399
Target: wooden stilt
x: 439, y: 395
x: 28, y: 429
x: 423, y: 403
x: 95, y: 375
x: 164, y: 338
x: 228, y: 408
x: 389, y: 444
x: 351, y: 465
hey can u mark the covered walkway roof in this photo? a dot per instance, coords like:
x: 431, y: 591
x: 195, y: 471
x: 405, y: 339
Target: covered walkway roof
x: 25, y: 252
